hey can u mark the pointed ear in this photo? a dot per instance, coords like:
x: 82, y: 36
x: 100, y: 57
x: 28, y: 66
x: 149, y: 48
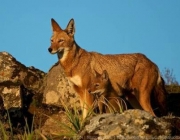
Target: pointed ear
x: 105, y: 75
x: 55, y: 26
x: 96, y: 74
x: 70, y: 29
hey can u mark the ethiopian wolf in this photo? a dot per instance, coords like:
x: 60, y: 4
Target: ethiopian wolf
x: 106, y: 97
x: 133, y: 72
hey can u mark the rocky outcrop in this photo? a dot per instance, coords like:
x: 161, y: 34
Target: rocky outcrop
x: 13, y: 72
x: 18, y: 85
x: 131, y: 124
x: 29, y: 93
x: 58, y: 89
x: 14, y: 77
x: 56, y: 124
x: 26, y: 92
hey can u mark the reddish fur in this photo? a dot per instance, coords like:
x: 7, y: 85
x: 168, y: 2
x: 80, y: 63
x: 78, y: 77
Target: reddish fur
x: 159, y: 95
x: 106, y: 97
x: 133, y: 72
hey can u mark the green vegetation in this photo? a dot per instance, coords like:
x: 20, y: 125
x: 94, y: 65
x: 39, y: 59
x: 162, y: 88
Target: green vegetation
x: 3, y: 133
x: 72, y: 128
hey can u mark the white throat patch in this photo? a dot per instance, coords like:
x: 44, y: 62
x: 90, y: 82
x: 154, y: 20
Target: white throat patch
x: 76, y: 80
x: 62, y: 55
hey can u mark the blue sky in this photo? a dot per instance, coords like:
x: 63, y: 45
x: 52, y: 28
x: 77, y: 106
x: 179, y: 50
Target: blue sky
x: 151, y: 27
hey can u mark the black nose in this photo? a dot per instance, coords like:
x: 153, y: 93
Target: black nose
x: 50, y: 49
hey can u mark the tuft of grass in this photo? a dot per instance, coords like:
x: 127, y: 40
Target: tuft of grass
x: 70, y: 132
x: 120, y: 103
x: 75, y: 117
x: 3, y: 132
x: 10, y: 125
x: 76, y: 120
x: 28, y: 134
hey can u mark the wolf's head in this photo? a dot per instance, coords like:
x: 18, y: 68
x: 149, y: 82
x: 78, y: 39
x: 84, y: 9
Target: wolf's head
x: 99, y: 84
x: 62, y: 40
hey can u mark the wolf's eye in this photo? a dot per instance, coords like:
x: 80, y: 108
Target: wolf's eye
x: 96, y: 85
x: 51, y: 41
x: 60, y: 40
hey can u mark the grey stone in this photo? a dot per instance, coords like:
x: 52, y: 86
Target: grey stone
x: 59, y: 89
x: 13, y: 74
x: 131, y: 124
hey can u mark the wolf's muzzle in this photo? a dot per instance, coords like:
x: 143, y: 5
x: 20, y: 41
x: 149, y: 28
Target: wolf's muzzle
x: 50, y: 50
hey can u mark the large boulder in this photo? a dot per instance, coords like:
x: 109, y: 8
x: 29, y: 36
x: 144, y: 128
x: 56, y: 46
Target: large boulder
x: 19, y: 85
x: 59, y: 89
x: 15, y: 76
x: 131, y: 124
x: 29, y: 94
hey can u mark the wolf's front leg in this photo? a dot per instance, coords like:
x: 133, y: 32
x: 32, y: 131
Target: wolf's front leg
x: 87, y: 101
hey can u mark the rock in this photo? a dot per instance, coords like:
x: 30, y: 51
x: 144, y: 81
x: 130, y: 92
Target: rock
x: 56, y: 125
x: 13, y: 74
x: 31, y: 95
x: 18, y: 86
x: 58, y: 88
x: 22, y: 90
x: 131, y: 124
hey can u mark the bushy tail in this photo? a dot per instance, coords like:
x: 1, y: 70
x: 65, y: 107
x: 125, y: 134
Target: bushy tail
x: 160, y: 96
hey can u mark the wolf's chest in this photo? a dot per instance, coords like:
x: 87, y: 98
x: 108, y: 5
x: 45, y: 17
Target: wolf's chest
x: 76, y: 80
